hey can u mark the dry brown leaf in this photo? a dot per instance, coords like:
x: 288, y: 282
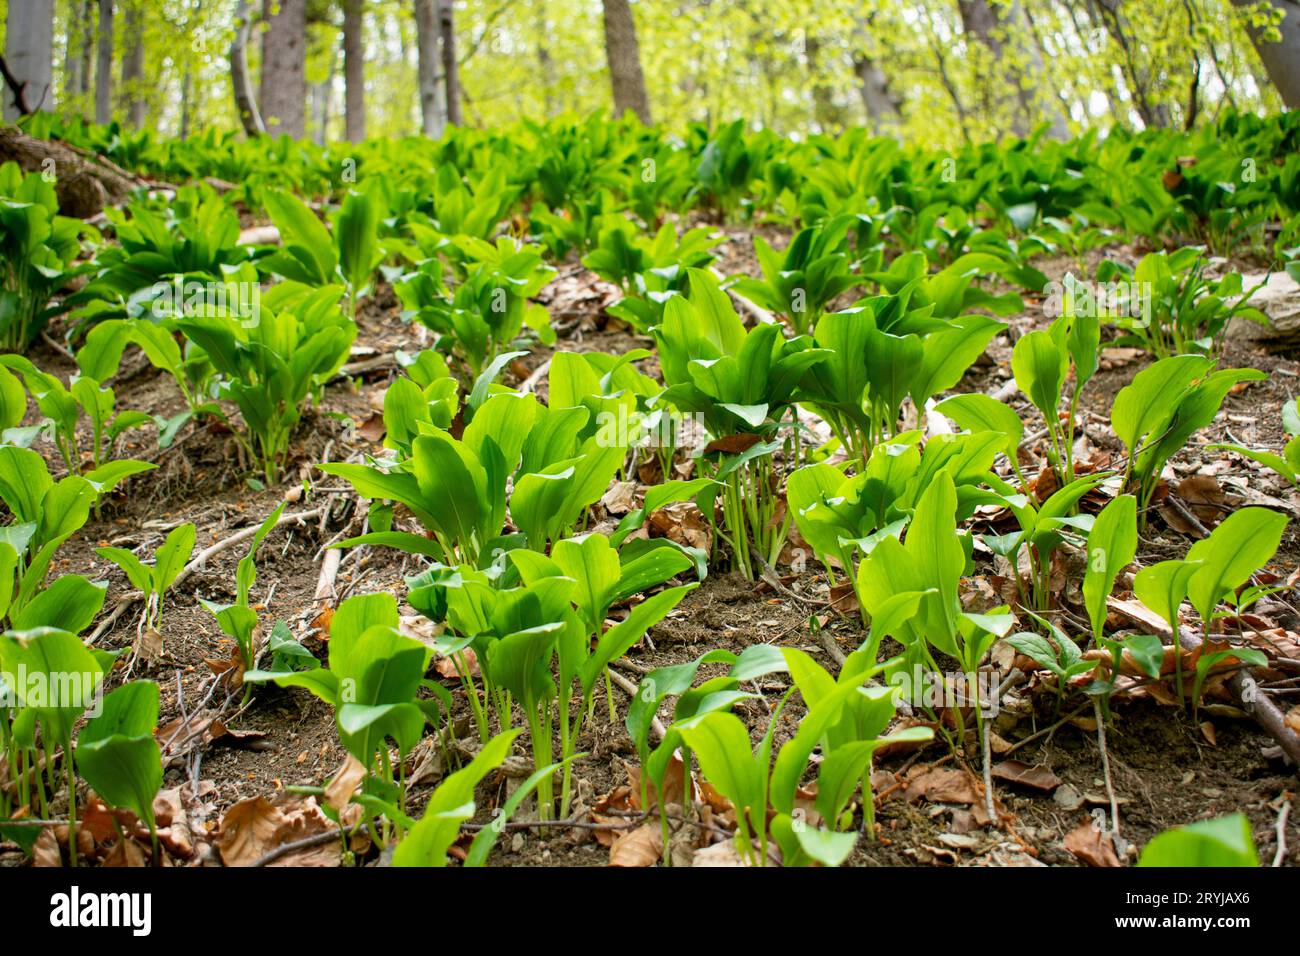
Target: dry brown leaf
x: 346, y: 782
x: 254, y: 827
x: 940, y: 785
x: 372, y: 429
x: 1091, y: 845
x: 1038, y: 777
x: 620, y: 498
x: 1293, y: 718
x: 637, y: 848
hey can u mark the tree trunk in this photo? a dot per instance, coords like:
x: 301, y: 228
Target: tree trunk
x: 284, y: 68
x: 354, y: 70
x: 29, y: 55
x: 1138, y: 77
x: 133, y: 65
x: 877, y: 99
x: 1281, y: 59
x: 104, y: 66
x: 1018, y: 66
x: 545, y: 63
x: 250, y: 117
x: 78, y: 46
x: 450, y: 68
x: 432, y: 120
x: 624, y: 57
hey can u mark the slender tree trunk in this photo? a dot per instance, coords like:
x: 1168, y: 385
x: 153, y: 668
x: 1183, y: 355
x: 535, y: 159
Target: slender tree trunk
x: 623, y: 54
x: 877, y: 99
x: 250, y: 116
x: 545, y: 65
x: 354, y: 70
x: 104, y: 67
x: 1139, y: 77
x: 29, y: 55
x: 284, y: 68
x: 1281, y: 59
x: 432, y: 120
x: 450, y: 67
x: 78, y: 43
x: 133, y: 65
x: 1017, y: 65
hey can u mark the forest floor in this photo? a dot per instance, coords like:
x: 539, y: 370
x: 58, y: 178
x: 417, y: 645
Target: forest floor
x: 1167, y: 769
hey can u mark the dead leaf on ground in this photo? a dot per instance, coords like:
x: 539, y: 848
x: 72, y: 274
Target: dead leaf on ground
x: 940, y: 785
x: 346, y: 782
x: 253, y: 828
x: 1091, y: 845
x: 620, y: 498
x: 637, y: 848
x: 1293, y: 718
x: 1036, y: 777
x: 372, y: 429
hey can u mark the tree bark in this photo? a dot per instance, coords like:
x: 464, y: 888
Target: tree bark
x: 354, y: 70
x: 1281, y: 59
x: 877, y: 99
x: 77, y: 51
x: 250, y: 116
x: 104, y: 66
x: 29, y: 55
x: 284, y: 68
x: 133, y: 65
x: 1017, y: 64
x: 432, y: 119
x: 623, y: 54
x: 450, y: 66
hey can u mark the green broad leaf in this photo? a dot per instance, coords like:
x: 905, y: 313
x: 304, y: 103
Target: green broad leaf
x: 172, y: 557
x: 1241, y: 545
x: 1225, y: 841
x: 141, y: 577
x: 616, y: 641
x: 1040, y: 365
x: 1112, y: 545
x: 975, y: 412
x: 117, y: 753
x: 108, y: 476
x: 1148, y: 651
x: 1162, y: 587
x: 70, y: 603
x: 826, y: 846
x: 721, y: 743
x: 451, y: 804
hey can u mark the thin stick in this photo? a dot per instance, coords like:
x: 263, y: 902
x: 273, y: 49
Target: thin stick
x: 306, y: 843
x: 1105, y: 765
x: 1282, y: 817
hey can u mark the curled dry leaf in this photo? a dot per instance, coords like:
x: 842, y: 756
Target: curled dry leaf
x: 346, y: 782
x: 1038, y: 777
x: 1091, y: 845
x: 253, y: 828
x: 637, y: 848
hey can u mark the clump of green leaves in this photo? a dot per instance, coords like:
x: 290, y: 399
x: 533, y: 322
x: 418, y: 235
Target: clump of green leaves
x: 169, y: 560
x: 814, y: 269
x: 1164, y: 405
x: 742, y: 383
x: 1182, y: 311
x: 273, y: 365
x: 490, y: 306
x: 37, y: 250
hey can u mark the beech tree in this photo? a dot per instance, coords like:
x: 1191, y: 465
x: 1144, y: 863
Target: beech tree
x: 623, y: 54
x: 283, y: 95
x: 29, y: 57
